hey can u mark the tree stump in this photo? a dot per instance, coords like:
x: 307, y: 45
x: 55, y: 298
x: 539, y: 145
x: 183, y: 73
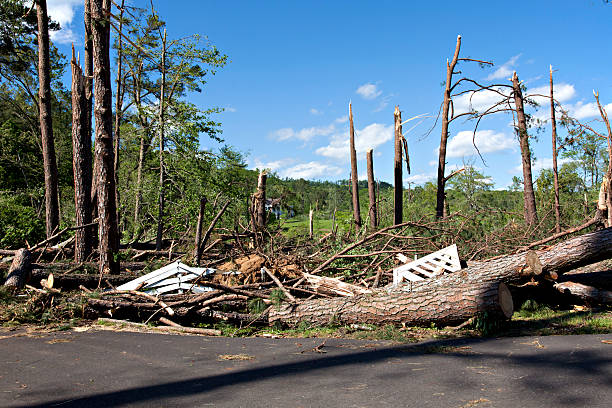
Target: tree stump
x: 21, y: 269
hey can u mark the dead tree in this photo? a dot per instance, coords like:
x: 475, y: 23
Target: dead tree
x: 162, y: 119
x: 354, y: 176
x: 88, y: 74
x: 371, y: 190
x: 531, y: 215
x: 81, y: 163
x: 606, y: 120
x: 448, y: 115
x: 46, y: 127
x: 397, y: 170
x: 108, y: 245
x: 554, y: 155
x: 259, y: 202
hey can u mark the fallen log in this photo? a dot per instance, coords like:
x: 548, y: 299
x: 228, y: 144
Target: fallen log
x: 21, y: 269
x: 601, y: 280
x: 175, y: 329
x: 452, y: 305
x: 74, y: 280
x: 588, y: 294
x: 452, y: 297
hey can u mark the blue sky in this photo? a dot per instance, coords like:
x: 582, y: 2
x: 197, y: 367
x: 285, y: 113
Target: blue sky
x: 296, y: 65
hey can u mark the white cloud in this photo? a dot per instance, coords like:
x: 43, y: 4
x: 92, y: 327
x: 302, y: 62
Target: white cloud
x: 311, y: 170
x: 505, y: 70
x: 487, y: 141
x: 342, y: 119
x: 383, y: 103
x: 314, y: 111
x: 581, y: 110
x: 304, y: 134
x: 369, y: 91
x: 231, y: 109
x: 63, y: 11
x: 421, y: 178
x: 541, y: 164
x: 367, y: 138
x: 479, y: 101
x: 273, y: 165
x: 563, y: 93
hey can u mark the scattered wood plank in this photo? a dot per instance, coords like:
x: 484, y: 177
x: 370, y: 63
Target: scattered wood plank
x: 334, y: 286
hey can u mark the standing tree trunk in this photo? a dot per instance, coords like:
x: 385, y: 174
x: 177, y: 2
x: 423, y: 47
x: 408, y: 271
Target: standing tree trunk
x: 554, y: 155
x: 259, y: 201
x: 354, y: 177
x: 118, y: 108
x: 81, y: 164
x: 108, y: 245
x: 399, y: 183
x: 531, y: 216
x: 88, y: 74
x: 450, y: 67
x: 198, y: 238
x: 162, y: 113
x: 46, y: 127
x: 371, y: 190
x: 606, y: 120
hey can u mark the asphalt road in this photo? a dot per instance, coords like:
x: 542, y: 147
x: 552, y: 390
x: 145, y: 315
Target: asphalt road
x: 105, y: 368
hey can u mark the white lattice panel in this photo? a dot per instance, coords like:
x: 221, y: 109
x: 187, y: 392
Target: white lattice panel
x: 429, y: 266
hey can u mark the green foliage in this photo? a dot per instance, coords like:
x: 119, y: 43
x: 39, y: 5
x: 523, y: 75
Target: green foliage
x: 18, y: 224
x: 256, y: 306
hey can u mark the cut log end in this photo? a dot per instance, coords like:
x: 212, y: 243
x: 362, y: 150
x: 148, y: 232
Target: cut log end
x: 505, y: 300
x: 21, y: 269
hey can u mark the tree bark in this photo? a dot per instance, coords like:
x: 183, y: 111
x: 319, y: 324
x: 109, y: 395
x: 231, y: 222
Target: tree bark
x: 454, y: 296
x: 118, y: 108
x: 259, y: 201
x: 442, y: 306
x: 606, y: 120
x: 354, y: 175
x: 162, y: 113
x: 108, y: 245
x: 371, y: 190
x: 81, y: 164
x: 46, y: 127
x: 586, y: 293
x: 88, y: 74
x: 397, y: 172
x: 21, y: 269
x: 450, y: 67
x: 198, y: 236
x: 554, y: 156
x: 531, y: 216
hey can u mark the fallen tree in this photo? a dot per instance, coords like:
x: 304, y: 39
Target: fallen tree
x: 453, y: 297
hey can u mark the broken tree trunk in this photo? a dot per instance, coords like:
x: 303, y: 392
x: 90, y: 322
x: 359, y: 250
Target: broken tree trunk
x: 259, y: 201
x: 354, y: 180
x: 586, y: 293
x: 196, y: 250
x: 454, y: 304
x: 371, y: 189
x: 397, y: 172
x: 21, y: 269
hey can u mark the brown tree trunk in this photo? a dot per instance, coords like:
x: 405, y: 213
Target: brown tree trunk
x: 46, y: 127
x: 108, y: 245
x: 118, y: 109
x: 162, y: 113
x: 21, y: 269
x: 397, y: 170
x: 81, y: 164
x: 554, y: 156
x: 531, y: 215
x: 372, y: 190
x: 606, y: 120
x: 454, y: 296
x: 88, y: 74
x: 259, y: 201
x: 198, y: 236
x: 450, y: 67
x: 442, y: 306
x: 354, y: 176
